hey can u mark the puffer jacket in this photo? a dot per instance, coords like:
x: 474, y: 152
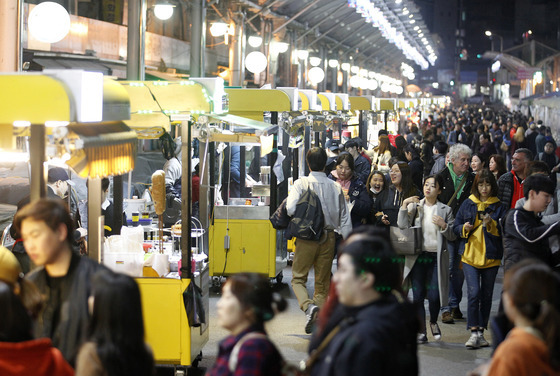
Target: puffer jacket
x: 505, y: 188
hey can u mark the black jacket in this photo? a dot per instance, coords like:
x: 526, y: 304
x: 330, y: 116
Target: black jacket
x: 374, y: 340
x: 506, y: 188
x: 70, y: 331
x: 363, y: 203
x: 449, y: 189
x: 427, y: 155
x: 525, y: 236
x: 416, y: 170
x: 362, y: 168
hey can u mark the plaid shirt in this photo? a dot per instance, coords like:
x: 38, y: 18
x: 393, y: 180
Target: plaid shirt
x: 257, y: 356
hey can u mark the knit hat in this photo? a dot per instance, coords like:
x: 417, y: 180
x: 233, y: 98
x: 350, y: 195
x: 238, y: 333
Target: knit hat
x: 10, y: 269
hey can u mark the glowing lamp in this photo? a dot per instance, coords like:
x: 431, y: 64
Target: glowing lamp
x: 256, y: 62
x: 49, y: 22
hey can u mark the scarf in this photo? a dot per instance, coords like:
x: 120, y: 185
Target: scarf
x: 456, y: 179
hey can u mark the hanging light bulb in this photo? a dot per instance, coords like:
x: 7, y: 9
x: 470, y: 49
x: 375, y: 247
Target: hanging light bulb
x: 49, y: 22
x: 314, y: 61
x: 256, y: 62
x: 163, y: 10
x: 254, y: 41
x: 333, y: 63
x: 218, y: 29
x: 316, y: 75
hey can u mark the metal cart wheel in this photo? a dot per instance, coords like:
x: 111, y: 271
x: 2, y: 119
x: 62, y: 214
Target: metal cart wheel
x: 280, y: 277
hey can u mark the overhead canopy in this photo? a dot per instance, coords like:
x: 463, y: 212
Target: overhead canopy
x: 33, y: 98
x: 106, y: 149
x: 146, y: 116
x: 250, y: 125
x: 361, y: 103
x: 387, y: 104
x: 180, y: 97
x: 253, y: 103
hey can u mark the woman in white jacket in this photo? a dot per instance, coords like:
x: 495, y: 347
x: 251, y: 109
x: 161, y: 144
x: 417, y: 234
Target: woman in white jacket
x: 428, y: 272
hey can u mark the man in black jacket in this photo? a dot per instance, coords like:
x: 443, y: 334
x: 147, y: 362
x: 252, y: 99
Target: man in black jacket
x: 457, y: 184
x: 373, y: 329
x: 362, y: 166
x: 62, y: 275
x: 510, y: 184
x: 525, y: 236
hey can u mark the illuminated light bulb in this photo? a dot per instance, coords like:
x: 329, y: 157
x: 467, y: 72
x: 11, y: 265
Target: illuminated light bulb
x: 254, y: 41
x: 333, y: 63
x: 345, y: 67
x: 256, y: 62
x: 49, y: 22
x: 164, y: 10
x: 315, y: 61
x: 316, y: 75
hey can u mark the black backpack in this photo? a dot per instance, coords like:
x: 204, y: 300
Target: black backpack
x: 307, y: 222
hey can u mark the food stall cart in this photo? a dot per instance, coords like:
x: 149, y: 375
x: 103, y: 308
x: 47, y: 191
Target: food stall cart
x: 366, y: 106
x: 241, y: 237
x: 154, y: 106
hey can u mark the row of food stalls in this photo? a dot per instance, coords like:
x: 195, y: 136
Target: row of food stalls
x: 96, y: 123
x: 543, y: 107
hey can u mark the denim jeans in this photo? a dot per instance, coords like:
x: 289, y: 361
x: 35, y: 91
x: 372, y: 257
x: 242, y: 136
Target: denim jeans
x: 424, y: 278
x: 480, y: 287
x: 456, y: 276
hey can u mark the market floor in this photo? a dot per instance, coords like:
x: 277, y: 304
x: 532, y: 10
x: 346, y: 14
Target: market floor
x: 447, y: 357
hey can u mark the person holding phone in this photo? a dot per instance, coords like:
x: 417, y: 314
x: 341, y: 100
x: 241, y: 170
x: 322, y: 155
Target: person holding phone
x: 477, y: 225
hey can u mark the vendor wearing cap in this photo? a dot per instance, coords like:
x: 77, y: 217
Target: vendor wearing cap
x: 58, y: 185
x: 332, y: 148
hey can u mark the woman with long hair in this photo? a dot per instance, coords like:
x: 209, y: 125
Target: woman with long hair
x: 532, y: 302
x: 354, y: 190
x: 382, y: 155
x: 115, y: 344
x: 481, y: 250
x: 428, y: 272
x: 247, y: 302
x: 477, y: 163
x: 497, y: 165
x: 20, y: 354
x: 390, y: 200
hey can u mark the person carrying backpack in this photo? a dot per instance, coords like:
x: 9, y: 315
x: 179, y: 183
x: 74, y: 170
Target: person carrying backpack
x: 317, y: 253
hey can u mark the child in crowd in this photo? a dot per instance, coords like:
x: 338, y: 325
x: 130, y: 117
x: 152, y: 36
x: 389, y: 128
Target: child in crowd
x: 477, y: 224
x: 428, y: 272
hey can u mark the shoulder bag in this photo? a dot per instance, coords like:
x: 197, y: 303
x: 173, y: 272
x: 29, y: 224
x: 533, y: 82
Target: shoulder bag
x: 408, y: 241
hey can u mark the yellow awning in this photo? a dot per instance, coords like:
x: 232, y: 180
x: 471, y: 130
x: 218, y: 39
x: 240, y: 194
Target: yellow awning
x: 180, y: 97
x: 146, y: 116
x: 108, y: 149
x: 304, y: 101
x: 253, y: 103
x: 33, y: 98
x: 252, y: 126
x: 387, y: 104
x: 360, y: 103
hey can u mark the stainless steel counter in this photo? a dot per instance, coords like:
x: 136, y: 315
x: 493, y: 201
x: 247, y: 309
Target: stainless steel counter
x: 241, y: 212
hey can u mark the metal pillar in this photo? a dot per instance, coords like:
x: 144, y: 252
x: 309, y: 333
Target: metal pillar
x: 186, y: 198
x: 274, y: 202
x: 237, y: 51
x: 136, y: 40
x: 198, y: 38
x: 95, y: 219
x: 11, y: 25
x: 306, y: 147
x: 37, y: 160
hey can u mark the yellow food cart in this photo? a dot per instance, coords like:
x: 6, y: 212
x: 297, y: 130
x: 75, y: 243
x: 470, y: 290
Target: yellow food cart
x: 241, y: 237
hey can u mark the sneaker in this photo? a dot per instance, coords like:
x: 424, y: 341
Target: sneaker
x: 457, y: 314
x: 435, y: 331
x: 312, y: 312
x: 447, y: 318
x: 482, y: 341
x: 473, y: 342
x: 422, y: 338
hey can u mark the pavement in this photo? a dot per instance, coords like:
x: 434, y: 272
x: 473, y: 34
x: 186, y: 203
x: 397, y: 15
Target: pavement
x: 446, y: 357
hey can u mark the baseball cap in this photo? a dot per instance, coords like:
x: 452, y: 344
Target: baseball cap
x: 58, y: 173
x: 10, y: 270
x: 332, y: 145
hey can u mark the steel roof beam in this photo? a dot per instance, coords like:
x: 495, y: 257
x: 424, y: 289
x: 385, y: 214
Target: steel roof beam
x: 293, y: 18
x: 337, y: 26
x: 320, y: 23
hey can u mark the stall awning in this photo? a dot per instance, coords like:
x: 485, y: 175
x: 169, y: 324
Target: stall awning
x: 146, y: 116
x: 103, y: 149
x: 248, y: 125
x: 253, y: 103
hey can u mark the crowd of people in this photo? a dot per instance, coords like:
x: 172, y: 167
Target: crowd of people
x: 479, y: 189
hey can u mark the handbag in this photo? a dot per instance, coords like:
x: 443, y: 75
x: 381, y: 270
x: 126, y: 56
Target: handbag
x: 504, y: 146
x: 406, y: 242
x: 280, y: 218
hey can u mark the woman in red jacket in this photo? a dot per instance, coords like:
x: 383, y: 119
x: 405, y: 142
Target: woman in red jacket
x: 20, y: 354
